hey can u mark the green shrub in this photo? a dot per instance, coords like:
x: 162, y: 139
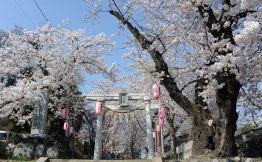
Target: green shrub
x: 4, y: 153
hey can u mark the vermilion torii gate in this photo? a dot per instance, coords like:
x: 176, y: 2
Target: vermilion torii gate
x: 123, y: 99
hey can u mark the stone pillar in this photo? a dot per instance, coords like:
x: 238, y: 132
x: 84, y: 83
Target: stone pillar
x: 39, y: 114
x: 98, y: 139
x: 149, y: 129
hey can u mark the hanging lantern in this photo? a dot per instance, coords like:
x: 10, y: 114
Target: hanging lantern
x: 66, y: 126
x: 156, y: 91
x: 71, y: 130
x: 158, y: 128
x: 162, y: 112
x: 98, y: 107
x: 162, y: 122
x: 65, y: 113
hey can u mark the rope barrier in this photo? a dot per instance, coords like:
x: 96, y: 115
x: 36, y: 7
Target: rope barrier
x: 126, y: 111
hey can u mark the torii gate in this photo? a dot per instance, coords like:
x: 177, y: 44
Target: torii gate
x: 123, y: 99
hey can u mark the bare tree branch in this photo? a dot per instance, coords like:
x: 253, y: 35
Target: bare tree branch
x: 193, y: 81
x: 10, y: 101
x: 250, y: 98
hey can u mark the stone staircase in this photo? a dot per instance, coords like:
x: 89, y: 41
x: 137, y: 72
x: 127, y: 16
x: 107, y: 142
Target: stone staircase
x: 44, y: 159
x: 156, y: 159
x: 72, y: 160
x: 235, y: 159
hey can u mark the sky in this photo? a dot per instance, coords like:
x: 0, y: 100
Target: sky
x: 26, y: 14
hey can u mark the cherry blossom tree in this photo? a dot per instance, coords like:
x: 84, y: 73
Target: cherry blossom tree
x: 204, y: 52
x: 47, y: 58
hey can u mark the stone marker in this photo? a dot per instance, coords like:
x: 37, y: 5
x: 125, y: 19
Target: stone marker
x: 40, y: 105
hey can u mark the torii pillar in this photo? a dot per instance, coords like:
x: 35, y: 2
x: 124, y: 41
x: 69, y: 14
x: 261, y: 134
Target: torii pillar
x: 98, y: 138
x: 149, y: 129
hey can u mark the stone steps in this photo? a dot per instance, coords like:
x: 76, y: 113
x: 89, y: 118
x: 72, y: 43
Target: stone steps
x: 156, y: 159
x: 236, y: 159
x: 77, y: 160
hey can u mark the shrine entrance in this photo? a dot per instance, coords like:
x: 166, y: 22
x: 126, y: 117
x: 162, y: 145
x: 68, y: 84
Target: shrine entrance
x: 123, y: 99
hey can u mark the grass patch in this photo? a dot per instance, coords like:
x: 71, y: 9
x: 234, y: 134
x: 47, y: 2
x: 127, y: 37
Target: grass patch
x: 21, y: 158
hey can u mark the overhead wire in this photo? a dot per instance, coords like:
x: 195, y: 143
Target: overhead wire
x: 41, y: 11
x: 24, y: 13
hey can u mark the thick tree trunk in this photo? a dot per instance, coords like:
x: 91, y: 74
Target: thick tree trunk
x: 202, y: 134
x: 218, y: 136
x: 226, y: 101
